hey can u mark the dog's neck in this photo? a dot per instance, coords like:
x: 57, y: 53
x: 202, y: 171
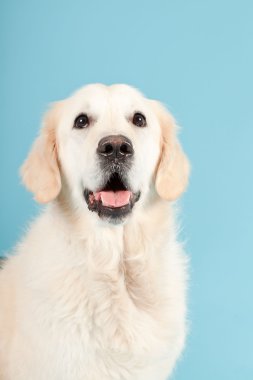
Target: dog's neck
x: 122, y: 257
x: 140, y: 232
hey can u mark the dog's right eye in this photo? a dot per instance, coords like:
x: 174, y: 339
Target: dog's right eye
x: 82, y: 121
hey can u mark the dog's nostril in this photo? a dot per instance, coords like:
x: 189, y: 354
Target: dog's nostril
x: 126, y: 149
x: 108, y: 149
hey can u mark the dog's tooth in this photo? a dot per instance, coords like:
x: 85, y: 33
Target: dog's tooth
x: 91, y: 198
x: 97, y: 196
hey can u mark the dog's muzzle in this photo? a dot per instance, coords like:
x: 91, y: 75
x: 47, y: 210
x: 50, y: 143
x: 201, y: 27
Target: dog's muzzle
x: 115, y: 199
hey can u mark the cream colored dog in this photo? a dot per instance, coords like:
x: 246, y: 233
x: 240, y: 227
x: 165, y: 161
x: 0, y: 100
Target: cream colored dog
x: 96, y: 289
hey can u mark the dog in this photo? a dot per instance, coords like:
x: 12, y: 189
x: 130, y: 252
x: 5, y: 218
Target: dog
x: 96, y: 290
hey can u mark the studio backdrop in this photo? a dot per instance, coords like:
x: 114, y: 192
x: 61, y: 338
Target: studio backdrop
x: 197, y: 58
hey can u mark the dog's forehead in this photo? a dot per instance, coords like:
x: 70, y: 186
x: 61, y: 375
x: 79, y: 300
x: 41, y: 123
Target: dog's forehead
x: 98, y: 98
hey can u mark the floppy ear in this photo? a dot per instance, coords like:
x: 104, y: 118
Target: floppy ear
x: 40, y: 172
x: 173, y: 168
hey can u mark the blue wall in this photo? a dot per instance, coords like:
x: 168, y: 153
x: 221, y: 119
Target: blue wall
x: 197, y: 57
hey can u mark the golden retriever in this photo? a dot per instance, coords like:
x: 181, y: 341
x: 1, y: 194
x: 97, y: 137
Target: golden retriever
x: 96, y: 288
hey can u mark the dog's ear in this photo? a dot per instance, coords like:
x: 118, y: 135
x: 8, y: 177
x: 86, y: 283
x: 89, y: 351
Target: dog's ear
x: 40, y: 172
x: 173, y: 168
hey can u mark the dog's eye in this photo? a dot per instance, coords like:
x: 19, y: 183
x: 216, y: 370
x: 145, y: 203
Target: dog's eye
x: 82, y: 121
x: 139, y: 120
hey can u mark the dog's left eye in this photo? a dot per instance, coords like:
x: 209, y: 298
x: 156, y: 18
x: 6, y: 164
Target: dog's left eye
x: 139, y: 120
x: 82, y: 121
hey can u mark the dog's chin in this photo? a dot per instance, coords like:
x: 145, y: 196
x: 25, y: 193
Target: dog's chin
x: 114, y: 201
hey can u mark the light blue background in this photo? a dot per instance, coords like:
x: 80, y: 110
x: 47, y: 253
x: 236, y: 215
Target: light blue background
x: 195, y: 56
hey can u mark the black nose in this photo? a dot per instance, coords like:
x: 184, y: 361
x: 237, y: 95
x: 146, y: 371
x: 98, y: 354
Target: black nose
x: 115, y: 147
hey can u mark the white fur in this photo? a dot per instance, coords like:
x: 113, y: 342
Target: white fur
x: 83, y: 299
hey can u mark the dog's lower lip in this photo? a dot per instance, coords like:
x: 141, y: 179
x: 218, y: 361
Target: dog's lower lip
x: 114, y: 200
x: 107, y: 211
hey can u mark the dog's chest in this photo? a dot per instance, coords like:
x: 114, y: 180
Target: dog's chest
x: 121, y: 310
x: 108, y: 311
x: 101, y: 321
x: 112, y: 304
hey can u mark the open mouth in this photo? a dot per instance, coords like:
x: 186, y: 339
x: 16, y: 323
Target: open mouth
x: 115, y: 200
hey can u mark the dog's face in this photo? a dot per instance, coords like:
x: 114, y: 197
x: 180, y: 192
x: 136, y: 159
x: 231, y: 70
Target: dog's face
x: 108, y: 149
x: 104, y: 149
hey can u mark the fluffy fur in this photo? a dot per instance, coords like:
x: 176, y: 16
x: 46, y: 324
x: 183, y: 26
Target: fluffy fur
x: 82, y: 298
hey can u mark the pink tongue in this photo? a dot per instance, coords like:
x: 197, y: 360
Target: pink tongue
x: 113, y: 199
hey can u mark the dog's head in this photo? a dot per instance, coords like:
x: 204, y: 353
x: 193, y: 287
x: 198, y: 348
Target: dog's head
x: 107, y: 150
